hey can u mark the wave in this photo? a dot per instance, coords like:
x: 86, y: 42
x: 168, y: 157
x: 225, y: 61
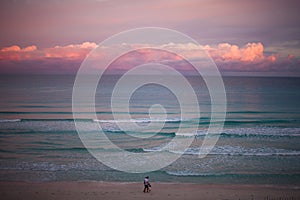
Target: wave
x: 72, y: 149
x: 84, y: 149
x: 137, y: 120
x: 9, y: 120
x: 217, y: 174
x: 202, y: 120
x: 34, y: 112
x: 86, y: 164
x: 248, y: 135
x: 187, y: 134
x: 227, y: 150
x: 50, y: 112
x: 237, y: 135
x: 185, y: 173
x: 261, y: 121
x: 247, y: 132
x: 44, y: 120
x: 140, y: 120
x: 63, y: 125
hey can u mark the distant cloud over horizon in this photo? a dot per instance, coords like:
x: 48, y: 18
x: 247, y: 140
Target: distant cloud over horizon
x: 67, y: 59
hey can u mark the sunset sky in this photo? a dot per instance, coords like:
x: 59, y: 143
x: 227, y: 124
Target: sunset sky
x: 243, y: 37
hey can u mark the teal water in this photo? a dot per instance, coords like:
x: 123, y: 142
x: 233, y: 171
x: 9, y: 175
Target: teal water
x: 260, y: 142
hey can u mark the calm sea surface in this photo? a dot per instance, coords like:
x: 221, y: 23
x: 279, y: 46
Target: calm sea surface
x: 260, y: 142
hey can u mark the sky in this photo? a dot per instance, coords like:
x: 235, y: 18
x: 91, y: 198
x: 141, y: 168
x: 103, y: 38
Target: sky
x: 243, y: 37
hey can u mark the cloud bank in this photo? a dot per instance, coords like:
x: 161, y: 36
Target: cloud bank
x: 251, y: 57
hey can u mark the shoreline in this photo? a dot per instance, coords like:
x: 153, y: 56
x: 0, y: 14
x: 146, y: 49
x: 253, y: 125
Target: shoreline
x: 132, y: 190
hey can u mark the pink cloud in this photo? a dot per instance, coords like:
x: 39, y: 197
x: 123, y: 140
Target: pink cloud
x: 17, y: 53
x: 16, y: 48
x: 30, y: 48
x: 291, y: 57
x: 73, y: 51
x: 251, y: 56
x: 251, y: 52
x: 143, y: 56
x: 11, y: 49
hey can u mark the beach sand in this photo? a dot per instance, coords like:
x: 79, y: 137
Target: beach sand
x: 160, y: 191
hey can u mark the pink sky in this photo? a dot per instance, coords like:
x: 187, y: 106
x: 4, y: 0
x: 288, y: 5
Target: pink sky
x: 241, y: 36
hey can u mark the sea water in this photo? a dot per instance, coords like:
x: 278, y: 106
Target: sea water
x: 260, y: 142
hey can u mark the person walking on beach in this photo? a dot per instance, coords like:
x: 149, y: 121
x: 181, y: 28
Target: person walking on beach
x: 146, y: 184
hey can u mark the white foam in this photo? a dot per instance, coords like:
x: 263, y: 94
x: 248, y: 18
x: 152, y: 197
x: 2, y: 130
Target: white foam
x: 139, y: 120
x: 188, y: 173
x: 249, y: 132
x: 230, y: 151
x: 9, y: 120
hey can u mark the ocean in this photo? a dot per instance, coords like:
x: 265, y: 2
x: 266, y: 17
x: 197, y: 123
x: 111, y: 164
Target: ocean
x: 259, y: 144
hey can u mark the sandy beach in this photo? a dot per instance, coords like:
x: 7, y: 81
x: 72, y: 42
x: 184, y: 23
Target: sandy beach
x: 174, y: 191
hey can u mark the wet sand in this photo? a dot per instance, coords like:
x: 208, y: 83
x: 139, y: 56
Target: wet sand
x: 160, y: 191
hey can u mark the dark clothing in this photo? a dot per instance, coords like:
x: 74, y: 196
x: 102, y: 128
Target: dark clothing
x: 146, y: 185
